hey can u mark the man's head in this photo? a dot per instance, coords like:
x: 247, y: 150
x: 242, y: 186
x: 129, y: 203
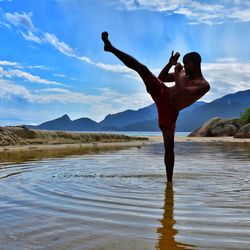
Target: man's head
x: 192, y: 63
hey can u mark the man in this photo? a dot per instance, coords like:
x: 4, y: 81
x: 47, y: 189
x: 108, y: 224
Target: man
x: 190, y: 86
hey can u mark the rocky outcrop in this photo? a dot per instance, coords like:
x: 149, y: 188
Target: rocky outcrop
x: 218, y: 127
x: 244, y: 132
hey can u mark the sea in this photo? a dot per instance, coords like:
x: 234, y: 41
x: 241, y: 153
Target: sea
x: 119, y: 199
x: 134, y: 133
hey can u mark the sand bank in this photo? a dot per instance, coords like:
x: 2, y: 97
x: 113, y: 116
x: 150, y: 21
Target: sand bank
x: 19, y: 135
x: 135, y: 143
x: 18, y: 144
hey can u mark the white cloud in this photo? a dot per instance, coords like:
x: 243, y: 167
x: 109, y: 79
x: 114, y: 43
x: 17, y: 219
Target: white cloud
x: 59, y: 75
x: 117, y: 68
x: 98, y: 106
x: 59, y: 45
x: 241, y: 15
x: 226, y: 77
x: 9, y: 90
x: 31, y: 78
x: 31, y: 37
x: 127, y: 101
x: 24, y: 20
x: 25, y: 75
x: 8, y: 63
x: 228, y: 60
x: 56, y: 90
x: 6, y: 25
x: 67, y: 50
x: 196, y: 12
x: 36, y: 67
x: 21, y: 20
x: 19, y: 66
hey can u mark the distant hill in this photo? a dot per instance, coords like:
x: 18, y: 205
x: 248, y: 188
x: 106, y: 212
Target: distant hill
x: 129, y: 116
x: 66, y: 124
x: 145, y: 119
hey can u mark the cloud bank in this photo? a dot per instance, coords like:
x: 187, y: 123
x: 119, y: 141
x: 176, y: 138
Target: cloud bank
x: 215, y: 12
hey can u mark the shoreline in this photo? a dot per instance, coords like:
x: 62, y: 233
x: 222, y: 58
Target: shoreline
x: 29, y: 152
x: 23, y: 153
x: 133, y: 143
x: 33, y: 147
x: 225, y: 139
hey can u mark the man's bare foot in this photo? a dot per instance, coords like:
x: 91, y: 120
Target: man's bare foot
x: 107, y: 43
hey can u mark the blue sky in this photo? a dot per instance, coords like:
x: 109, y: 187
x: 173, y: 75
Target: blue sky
x: 52, y: 60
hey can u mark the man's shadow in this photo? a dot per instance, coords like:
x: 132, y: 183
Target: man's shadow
x: 167, y: 233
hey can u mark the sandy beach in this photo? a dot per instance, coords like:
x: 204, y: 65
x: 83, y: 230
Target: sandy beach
x: 137, y: 142
x: 33, y: 147
x: 228, y: 139
x: 18, y: 138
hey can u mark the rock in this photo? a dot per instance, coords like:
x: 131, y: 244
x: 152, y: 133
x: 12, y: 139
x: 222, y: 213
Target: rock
x: 218, y: 127
x: 204, y: 130
x: 229, y: 130
x: 244, y: 132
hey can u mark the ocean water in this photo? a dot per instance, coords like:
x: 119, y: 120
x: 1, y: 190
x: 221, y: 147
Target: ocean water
x: 119, y: 199
x: 134, y: 133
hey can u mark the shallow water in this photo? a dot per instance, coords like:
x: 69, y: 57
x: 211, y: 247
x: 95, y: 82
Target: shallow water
x: 120, y: 200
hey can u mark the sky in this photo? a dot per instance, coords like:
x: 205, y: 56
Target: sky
x: 52, y: 60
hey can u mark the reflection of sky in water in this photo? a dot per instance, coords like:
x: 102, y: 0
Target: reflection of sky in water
x: 120, y: 200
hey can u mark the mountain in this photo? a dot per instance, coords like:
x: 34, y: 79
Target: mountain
x: 61, y: 123
x: 66, y: 124
x: 85, y: 124
x: 152, y: 124
x: 129, y: 116
x: 145, y: 119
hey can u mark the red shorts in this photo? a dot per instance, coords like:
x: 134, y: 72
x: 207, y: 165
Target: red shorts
x: 167, y: 115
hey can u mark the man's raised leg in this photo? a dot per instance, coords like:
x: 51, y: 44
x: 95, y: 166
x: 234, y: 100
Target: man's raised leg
x: 169, y: 156
x: 128, y: 60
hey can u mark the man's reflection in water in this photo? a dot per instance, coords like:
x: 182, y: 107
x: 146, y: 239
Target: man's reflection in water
x: 167, y: 232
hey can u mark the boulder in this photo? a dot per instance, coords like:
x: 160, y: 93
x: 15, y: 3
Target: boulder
x: 218, y: 127
x: 244, y: 132
x: 227, y: 130
x: 204, y: 130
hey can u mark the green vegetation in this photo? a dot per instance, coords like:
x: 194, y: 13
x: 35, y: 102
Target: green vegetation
x: 245, y: 117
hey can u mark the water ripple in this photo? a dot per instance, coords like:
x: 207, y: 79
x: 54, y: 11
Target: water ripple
x: 120, y: 200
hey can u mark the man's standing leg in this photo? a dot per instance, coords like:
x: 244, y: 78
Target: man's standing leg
x: 169, y: 156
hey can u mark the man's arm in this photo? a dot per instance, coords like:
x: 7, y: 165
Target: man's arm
x: 200, y: 87
x: 164, y: 75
